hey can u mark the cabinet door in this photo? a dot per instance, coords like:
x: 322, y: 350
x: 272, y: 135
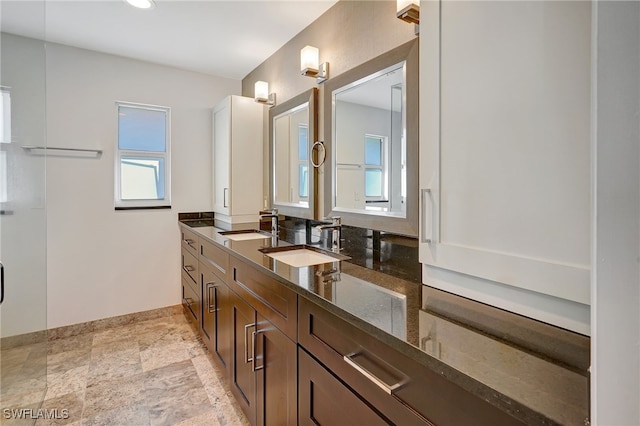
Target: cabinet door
x: 325, y: 400
x: 221, y: 157
x: 216, y: 316
x: 243, y: 382
x: 276, y: 365
x: 505, y: 155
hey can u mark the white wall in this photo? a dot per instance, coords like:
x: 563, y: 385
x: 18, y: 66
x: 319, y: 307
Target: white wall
x: 615, y: 344
x: 102, y: 262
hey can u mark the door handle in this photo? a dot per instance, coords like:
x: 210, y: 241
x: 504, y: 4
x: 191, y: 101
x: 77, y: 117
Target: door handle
x: 224, y: 197
x: 246, y: 344
x: 254, y: 338
x: 1, y: 283
x: 424, y: 238
x: 212, y: 308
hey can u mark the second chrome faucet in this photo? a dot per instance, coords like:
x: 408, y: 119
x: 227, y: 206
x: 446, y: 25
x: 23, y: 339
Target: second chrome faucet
x: 335, y: 226
x: 273, y: 214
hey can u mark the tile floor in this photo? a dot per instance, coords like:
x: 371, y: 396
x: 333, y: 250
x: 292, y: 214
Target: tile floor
x: 154, y: 372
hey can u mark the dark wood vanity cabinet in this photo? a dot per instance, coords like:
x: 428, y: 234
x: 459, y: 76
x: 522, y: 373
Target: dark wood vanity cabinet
x: 265, y: 365
x: 401, y: 390
x: 276, y: 375
x: 216, y: 315
x: 289, y: 360
x: 325, y: 400
x: 216, y: 306
x: 242, y: 378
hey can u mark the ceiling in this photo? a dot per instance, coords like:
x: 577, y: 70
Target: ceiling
x: 222, y: 38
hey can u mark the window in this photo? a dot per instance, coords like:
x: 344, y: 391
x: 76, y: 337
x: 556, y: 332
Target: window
x: 142, y: 160
x: 303, y: 161
x: 375, y: 186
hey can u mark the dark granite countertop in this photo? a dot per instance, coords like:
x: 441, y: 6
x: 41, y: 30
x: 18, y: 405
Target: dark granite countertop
x: 536, y: 372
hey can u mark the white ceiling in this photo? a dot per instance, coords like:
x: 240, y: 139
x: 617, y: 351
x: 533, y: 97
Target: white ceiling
x: 222, y: 38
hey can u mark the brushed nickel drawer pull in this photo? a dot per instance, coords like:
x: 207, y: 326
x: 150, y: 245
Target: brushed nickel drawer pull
x: 189, y: 241
x: 390, y: 389
x: 189, y: 268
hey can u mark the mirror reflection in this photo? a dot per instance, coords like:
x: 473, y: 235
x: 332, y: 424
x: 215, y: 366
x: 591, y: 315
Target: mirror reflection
x: 291, y: 167
x: 370, y: 144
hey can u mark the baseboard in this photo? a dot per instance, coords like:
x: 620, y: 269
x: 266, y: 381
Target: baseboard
x: 43, y: 336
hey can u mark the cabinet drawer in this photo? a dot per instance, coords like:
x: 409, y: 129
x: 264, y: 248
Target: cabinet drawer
x: 216, y: 257
x: 325, y: 400
x: 405, y: 391
x: 189, y: 241
x: 191, y: 303
x: 190, y: 267
x: 271, y: 298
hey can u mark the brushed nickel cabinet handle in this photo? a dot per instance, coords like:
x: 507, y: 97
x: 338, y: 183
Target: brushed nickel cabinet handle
x: 390, y: 389
x: 246, y: 344
x: 189, y: 268
x: 224, y: 197
x: 425, y: 193
x: 254, y: 339
x: 189, y: 242
x: 212, y: 307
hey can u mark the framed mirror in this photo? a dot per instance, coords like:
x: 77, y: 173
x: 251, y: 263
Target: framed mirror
x: 371, y: 132
x: 292, y: 133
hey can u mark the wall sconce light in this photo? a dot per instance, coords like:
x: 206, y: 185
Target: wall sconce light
x: 310, y: 64
x: 261, y: 93
x: 142, y: 4
x: 409, y: 11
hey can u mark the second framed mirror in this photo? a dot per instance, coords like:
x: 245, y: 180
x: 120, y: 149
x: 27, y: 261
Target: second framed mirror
x: 292, y: 133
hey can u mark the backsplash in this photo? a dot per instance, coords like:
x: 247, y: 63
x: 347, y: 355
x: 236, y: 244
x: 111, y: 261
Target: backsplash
x: 390, y: 254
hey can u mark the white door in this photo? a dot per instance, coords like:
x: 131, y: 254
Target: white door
x: 221, y: 156
x: 505, y: 155
x: 23, y: 269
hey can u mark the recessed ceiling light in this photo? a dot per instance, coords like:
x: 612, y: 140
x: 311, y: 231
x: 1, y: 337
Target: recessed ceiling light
x: 141, y: 4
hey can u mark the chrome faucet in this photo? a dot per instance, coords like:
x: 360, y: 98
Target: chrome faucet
x: 273, y: 214
x: 335, y: 226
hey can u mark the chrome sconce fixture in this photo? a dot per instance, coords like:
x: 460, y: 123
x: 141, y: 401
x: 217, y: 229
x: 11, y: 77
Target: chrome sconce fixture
x: 261, y: 94
x: 409, y: 11
x: 310, y: 65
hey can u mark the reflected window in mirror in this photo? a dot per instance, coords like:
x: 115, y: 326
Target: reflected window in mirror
x: 292, y: 132
x: 369, y: 144
x: 371, y: 132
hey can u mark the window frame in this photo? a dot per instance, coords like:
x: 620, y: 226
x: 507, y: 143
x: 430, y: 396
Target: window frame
x: 302, y: 162
x: 383, y: 167
x: 134, y: 204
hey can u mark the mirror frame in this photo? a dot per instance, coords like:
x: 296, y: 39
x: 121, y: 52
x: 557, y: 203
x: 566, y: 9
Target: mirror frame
x: 408, y: 225
x: 310, y: 96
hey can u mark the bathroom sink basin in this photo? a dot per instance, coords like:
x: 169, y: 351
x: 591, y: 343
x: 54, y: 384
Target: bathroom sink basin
x: 245, y: 234
x: 301, y: 255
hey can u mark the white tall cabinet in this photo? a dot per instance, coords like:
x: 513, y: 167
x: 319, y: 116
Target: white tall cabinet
x: 237, y: 159
x: 505, y: 155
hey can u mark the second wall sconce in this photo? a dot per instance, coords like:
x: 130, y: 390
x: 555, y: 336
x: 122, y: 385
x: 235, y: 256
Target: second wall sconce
x: 310, y: 65
x: 261, y: 93
x: 409, y: 11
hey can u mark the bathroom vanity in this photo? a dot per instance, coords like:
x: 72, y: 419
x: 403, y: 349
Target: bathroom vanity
x: 336, y: 343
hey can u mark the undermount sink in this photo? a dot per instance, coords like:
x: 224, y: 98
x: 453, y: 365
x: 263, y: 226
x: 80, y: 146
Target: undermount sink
x: 301, y: 255
x: 245, y: 234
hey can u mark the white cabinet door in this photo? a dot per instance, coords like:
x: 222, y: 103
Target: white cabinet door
x: 237, y: 159
x: 505, y: 155
x: 221, y: 156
